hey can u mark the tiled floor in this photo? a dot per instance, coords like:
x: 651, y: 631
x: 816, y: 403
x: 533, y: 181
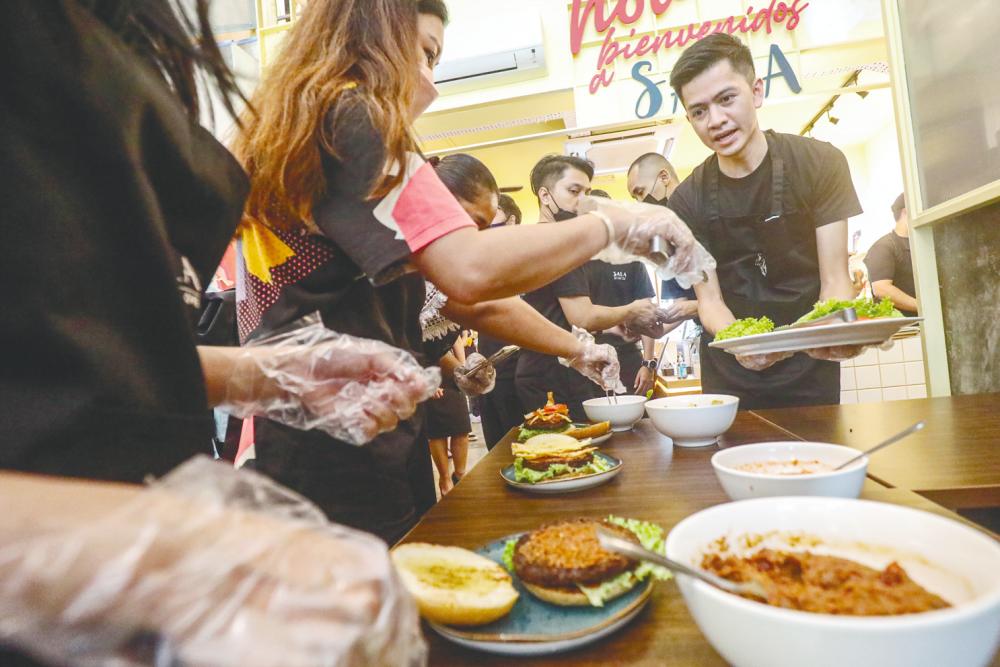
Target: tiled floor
x: 477, y: 450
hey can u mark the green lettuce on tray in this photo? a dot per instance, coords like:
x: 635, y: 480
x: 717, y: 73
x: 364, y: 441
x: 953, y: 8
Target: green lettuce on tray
x: 866, y: 309
x: 748, y: 326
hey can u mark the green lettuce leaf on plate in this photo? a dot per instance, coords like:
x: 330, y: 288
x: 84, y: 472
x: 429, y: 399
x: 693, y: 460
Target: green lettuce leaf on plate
x: 652, y: 537
x: 866, y: 308
x: 748, y: 326
x: 523, y: 473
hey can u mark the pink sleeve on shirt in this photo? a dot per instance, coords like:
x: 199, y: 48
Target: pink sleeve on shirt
x: 425, y: 210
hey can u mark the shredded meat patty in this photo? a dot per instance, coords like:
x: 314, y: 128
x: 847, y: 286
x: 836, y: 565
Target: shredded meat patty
x: 567, y: 552
x: 827, y: 584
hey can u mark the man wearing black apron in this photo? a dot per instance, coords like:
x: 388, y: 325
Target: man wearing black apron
x: 772, y: 209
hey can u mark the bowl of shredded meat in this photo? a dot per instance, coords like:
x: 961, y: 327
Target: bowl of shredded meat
x: 847, y: 582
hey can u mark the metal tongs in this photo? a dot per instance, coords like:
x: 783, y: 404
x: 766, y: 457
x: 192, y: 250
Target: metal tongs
x: 502, y: 355
x: 845, y: 315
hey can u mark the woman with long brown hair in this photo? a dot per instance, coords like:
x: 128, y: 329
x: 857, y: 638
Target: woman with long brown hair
x: 342, y: 215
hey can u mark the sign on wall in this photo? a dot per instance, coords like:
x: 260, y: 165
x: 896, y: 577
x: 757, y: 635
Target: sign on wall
x: 606, y: 18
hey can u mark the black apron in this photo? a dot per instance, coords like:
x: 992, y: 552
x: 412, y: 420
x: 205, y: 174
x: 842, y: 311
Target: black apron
x: 767, y: 265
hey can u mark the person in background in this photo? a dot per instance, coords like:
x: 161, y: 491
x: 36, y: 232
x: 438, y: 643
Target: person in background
x: 652, y: 179
x: 772, y: 209
x: 890, y: 268
x: 448, y: 425
x: 618, y: 285
x: 509, y: 212
x: 558, y: 181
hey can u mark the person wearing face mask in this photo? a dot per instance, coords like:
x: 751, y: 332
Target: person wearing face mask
x: 345, y: 218
x: 558, y: 181
x: 652, y: 179
x: 508, y: 212
x: 772, y: 209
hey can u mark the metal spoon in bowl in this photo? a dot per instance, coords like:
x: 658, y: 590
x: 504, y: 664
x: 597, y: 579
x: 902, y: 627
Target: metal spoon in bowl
x: 616, y: 544
x: 885, y: 443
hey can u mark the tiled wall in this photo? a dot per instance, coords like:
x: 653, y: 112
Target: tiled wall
x: 885, y: 375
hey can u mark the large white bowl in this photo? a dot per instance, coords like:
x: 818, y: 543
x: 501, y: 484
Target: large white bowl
x: 741, y: 484
x: 958, y: 563
x: 622, y: 411
x: 693, y: 421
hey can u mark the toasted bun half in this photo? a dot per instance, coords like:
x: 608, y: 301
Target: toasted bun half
x: 589, y: 431
x: 572, y: 596
x: 454, y: 586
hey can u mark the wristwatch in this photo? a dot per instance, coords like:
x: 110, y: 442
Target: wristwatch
x: 650, y: 364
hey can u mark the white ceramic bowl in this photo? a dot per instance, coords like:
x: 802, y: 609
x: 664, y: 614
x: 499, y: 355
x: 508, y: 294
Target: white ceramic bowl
x: 958, y: 563
x: 693, y: 421
x: 742, y: 484
x: 623, y: 411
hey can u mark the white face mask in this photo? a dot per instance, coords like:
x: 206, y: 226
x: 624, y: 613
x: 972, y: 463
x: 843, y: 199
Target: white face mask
x: 427, y: 92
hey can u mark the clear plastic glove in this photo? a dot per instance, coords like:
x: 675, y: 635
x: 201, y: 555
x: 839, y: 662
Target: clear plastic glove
x: 636, y: 225
x: 479, y: 383
x: 596, y: 362
x: 647, y: 320
x: 313, y: 378
x: 837, y: 352
x: 208, y: 566
x: 759, y: 362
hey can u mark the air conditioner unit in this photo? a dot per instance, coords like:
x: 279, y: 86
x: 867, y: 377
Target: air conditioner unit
x: 484, y: 50
x: 614, y: 152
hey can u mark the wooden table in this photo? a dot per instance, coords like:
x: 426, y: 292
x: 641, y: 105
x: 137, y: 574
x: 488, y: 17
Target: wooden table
x: 660, y: 483
x: 954, y: 461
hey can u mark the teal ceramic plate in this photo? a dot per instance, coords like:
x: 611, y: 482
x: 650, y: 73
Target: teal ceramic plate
x: 535, y: 628
x: 553, y: 486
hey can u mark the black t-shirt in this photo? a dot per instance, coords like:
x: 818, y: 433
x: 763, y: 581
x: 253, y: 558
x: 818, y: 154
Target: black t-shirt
x: 116, y: 210
x: 617, y: 285
x: 818, y: 178
x: 546, y: 301
x: 889, y: 259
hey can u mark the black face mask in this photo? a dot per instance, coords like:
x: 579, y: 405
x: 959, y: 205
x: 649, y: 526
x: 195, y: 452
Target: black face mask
x: 560, y: 214
x: 649, y: 199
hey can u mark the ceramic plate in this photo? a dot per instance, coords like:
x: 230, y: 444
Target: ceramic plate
x: 599, y: 439
x: 861, y: 332
x: 566, y: 485
x: 534, y: 628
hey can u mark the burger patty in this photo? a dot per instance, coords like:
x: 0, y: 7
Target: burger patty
x: 542, y: 464
x: 567, y: 552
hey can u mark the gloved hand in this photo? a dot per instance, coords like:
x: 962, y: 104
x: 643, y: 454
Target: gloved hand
x: 636, y: 225
x: 314, y: 378
x: 596, y: 362
x: 479, y: 383
x: 648, y: 320
x: 759, y: 362
x: 209, y: 565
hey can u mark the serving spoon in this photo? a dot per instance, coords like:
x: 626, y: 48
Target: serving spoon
x: 618, y: 545
x: 910, y: 430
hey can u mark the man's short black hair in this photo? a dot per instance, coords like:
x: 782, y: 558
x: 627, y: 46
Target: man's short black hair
x: 653, y: 160
x: 509, y: 208
x: 898, y: 207
x: 547, y: 172
x: 707, y: 52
